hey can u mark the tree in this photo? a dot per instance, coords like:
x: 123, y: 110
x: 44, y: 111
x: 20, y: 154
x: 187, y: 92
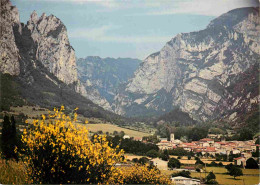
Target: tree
x: 189, y: 157
x: 245, y: 134
x: 235, y: 171
x: 143, y: 160
x: 9, y: 138
x: 164, y: 156
x: 182, y: 173
x: 210, y: 176
x: 152, y: 153
x: 174, y: 163
x: 229, y: 166
x: 251, y: 164
x: 198, y: 161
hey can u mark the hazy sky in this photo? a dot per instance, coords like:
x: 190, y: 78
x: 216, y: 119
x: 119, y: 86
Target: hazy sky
x: 128, y: 28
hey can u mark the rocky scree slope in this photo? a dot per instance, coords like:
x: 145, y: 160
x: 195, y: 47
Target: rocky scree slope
x: 196, y: 71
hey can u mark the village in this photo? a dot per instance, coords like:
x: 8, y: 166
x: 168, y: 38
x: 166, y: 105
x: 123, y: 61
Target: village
x: 208, y: 147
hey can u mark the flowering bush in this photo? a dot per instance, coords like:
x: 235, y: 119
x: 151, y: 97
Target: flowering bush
x: 56, y: 151
x: 140, y: 174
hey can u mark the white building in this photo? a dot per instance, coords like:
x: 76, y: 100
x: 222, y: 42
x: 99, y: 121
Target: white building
x: 179, y: 180
x: 172, y: 138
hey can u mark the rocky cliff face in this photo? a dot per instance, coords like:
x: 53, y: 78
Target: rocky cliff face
x: 43, y: 39
x: 194, y: 71
x: 9, y: 55
x: 103, y: 76
x: 53, y: 47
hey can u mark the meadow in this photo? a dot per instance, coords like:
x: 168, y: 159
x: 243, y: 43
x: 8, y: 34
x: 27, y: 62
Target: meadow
x: 94, y: 124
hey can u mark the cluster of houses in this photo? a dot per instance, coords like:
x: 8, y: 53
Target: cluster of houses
x: 210, y: 147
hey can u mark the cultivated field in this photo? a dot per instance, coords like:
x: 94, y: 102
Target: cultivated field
x: 106, y: 127
x: 34, y: 112
x: 192, y: 161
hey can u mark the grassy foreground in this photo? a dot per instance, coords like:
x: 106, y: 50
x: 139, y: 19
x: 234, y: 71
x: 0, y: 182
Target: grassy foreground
x: 12, y: 172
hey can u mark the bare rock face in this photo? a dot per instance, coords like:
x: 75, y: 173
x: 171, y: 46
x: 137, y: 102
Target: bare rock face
x: 90, y: 92
x: 53, y: 47
x: 9, y: 53
x: 194, y: 70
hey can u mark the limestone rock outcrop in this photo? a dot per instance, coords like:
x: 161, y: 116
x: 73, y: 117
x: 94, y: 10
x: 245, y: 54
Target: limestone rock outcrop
x: 9, y: 54
x: 52, y: 46
x: 194, y: 71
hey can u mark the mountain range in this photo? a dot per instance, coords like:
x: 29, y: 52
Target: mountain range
x: 203, y: 75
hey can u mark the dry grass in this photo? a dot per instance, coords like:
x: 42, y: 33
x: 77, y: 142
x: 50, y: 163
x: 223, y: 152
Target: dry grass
x: 250, y: 176
x: 12, y: 172
x: 192, y: 161
x: 106, y: 127
x: 227, y: 179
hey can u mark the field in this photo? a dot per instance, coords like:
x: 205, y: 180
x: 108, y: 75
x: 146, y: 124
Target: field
x: 106, y: 127
x: 192, y: 161
x: 34, y: 112
x: 251, y: 176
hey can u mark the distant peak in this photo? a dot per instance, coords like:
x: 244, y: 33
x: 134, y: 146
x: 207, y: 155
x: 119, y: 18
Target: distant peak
x: 34, y: 16
x: 43, y: 15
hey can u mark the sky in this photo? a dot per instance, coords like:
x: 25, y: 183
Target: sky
x: 128, y: 28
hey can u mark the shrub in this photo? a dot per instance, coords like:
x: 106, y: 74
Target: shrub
x: 235, y: 171
x: 56, y: 151
x: 152, y: 153
x: 140, y: 174
x: 143, y: 160
x: 212, y: 181
x: 174, y: 163
x: 251, y: 164
x: 183, y: 173
x: 198, y: 161
x: 210, y: 176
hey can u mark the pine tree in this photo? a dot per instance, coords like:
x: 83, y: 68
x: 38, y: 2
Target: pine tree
x: 13, y: 138
x: 5, y: 137
x: 8, y: 141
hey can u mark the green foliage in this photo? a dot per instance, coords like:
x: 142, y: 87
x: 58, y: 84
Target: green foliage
x: 198, y: 161
x: 198, y: 133
x: 210, y: 176
x: 234, y: 171
x: 245, y: 134
x: 176, y: 117
x: 9, y: 138
x: 182, y: 173
x: 229, y: 166
x: 215, y: 130
x: 9, y: 93
x: 164, y: 155
x: 132, y: 146
x: 178, y: 152
x: 251, y: 164
x: 151, y: 139
x: 143, y: 160
x: 174, y: 163
x: 152, y: 153
x: 212, y: 181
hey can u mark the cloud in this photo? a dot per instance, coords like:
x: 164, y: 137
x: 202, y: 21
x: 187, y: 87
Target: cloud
x: 101, y: 35
x: 197, y: 7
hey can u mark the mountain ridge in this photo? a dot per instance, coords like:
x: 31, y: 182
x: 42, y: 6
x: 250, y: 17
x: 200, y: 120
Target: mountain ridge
x: 193, y: 70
